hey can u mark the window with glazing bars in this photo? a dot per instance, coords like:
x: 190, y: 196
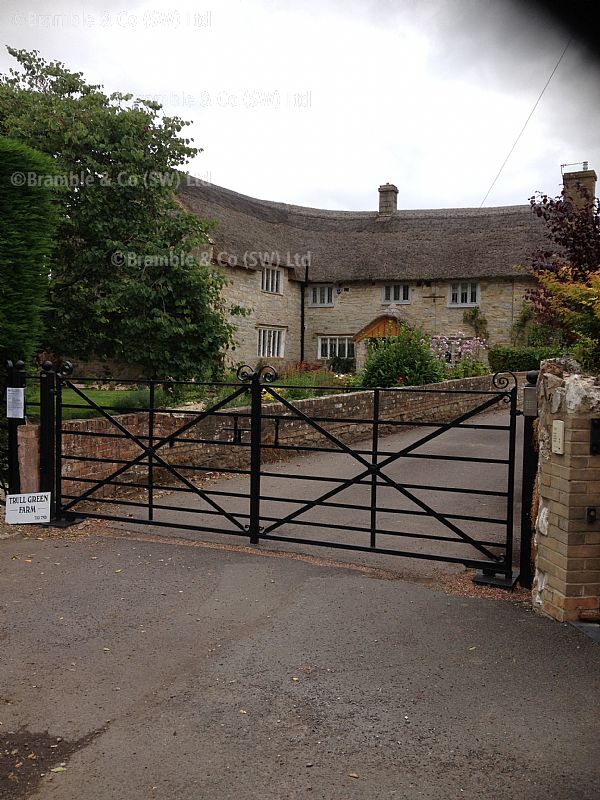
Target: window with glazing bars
x: 321, y: 295
x: 464, y: 294
x: 271, y: 343
x: 396, y: 293
x: 335, y: 346
x: 271, y: 280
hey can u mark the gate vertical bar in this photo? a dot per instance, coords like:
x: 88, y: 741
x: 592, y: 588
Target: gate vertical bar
x: 58, y: 447
x: 530, y: 465
x: 150, y: 455
x: 16, y: 379
x: 255, y: 457
x: 374, y: 460
x: 510, y: 498
x: 48, y: 433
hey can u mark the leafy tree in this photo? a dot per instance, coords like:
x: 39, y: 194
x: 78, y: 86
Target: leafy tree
x: 567, y: 272
x: 27, y: 229
x: 402, y: 360
x: 576, y: 305
x: 123, y: 282
x: 573, y: 232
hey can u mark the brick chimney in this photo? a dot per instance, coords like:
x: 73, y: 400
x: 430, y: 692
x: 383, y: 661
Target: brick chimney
x: 388, y: 199
x: 574, y: 181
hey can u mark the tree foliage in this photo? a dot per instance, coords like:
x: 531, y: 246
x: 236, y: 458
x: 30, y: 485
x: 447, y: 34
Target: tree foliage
x: 567, y: 272
x: 27, y: 228
x: 576, y: 305
x: 123, y: 282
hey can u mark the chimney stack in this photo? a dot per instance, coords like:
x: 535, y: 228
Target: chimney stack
x: 388, y: 199
x: 573, y: 182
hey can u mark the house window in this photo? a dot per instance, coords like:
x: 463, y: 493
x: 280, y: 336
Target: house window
x: 271, y: 280
x: 335, y: 346
x: 271, y: 342
x: 463, y: 294
x: 321, y: 295
x: 396, y: 293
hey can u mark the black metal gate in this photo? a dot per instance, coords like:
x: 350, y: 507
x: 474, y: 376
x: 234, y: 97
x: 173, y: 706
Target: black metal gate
x: 367, y: 487
x: 12, y: 376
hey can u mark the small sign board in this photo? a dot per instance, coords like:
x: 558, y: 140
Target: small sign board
x: 15, y: 403
x: 530, y: 408
x: 22, y: 509
x: 558, y: 437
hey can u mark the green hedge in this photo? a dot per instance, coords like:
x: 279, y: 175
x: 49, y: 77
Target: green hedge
x: 520, y: 359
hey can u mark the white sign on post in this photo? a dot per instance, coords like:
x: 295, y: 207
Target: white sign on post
x: 15, y: 403
x: 27, y: 508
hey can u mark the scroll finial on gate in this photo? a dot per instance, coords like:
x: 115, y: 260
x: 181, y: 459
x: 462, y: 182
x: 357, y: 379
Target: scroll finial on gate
x: 245, y: 373
x: 266, y: 374
x: 66, y: 368
x: 501, y: 380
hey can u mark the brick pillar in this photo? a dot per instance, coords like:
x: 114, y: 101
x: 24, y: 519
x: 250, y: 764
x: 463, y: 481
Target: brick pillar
x: 29, y: 457
x: 567, y: 580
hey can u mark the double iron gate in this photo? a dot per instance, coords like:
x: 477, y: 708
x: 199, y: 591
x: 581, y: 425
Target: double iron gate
x: 394, y: 480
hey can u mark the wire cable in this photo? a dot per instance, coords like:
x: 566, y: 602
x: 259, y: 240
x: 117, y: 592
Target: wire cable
x: 510, y: 152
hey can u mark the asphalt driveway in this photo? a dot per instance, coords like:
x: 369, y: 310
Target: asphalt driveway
x: 169, y: 669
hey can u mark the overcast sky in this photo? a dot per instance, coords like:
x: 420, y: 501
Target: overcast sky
x: 318, y: 102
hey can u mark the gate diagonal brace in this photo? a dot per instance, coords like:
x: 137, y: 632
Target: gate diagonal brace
x: 377, y: 469
x: 148, y: 452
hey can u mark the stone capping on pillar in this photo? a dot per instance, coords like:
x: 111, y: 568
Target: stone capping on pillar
x: 567, y: 540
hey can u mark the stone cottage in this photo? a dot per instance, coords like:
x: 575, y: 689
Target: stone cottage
x: 313, y: 279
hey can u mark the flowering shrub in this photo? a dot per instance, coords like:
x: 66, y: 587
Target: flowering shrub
x: 303, y: 366
x: 451, y: 349
x: 266, y: 396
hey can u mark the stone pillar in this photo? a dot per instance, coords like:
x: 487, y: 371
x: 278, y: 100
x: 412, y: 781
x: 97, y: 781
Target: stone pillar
x: 360, y: 350
x: 567, y: 576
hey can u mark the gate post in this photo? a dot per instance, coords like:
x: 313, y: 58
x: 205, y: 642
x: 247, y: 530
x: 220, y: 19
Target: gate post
x: 48, y: 433
x: 503, y: 575
x: 16, y: 379
x: 530, y: 465
x: 255, y: 455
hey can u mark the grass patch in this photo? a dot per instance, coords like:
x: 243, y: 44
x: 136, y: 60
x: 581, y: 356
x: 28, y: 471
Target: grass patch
x: 115, y: 401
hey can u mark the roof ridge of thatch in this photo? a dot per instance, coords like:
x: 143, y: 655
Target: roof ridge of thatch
x: 311, y: 211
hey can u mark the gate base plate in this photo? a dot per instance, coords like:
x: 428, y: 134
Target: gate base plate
x: 499, y: 581
x: 65, y: 522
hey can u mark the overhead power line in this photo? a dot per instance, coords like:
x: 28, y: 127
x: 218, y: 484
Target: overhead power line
x: 510, y: 152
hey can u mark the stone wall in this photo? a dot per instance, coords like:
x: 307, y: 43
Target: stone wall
x: 356, y: 305
x: 567, y: 579
x: 210, y: 453
x: 266, y: 309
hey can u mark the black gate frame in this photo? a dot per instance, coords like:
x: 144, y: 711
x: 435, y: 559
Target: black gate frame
x: 12, y: 376
x: 496, y: 569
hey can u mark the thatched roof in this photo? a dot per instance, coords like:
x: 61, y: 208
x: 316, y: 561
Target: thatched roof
x: 346, y: 246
